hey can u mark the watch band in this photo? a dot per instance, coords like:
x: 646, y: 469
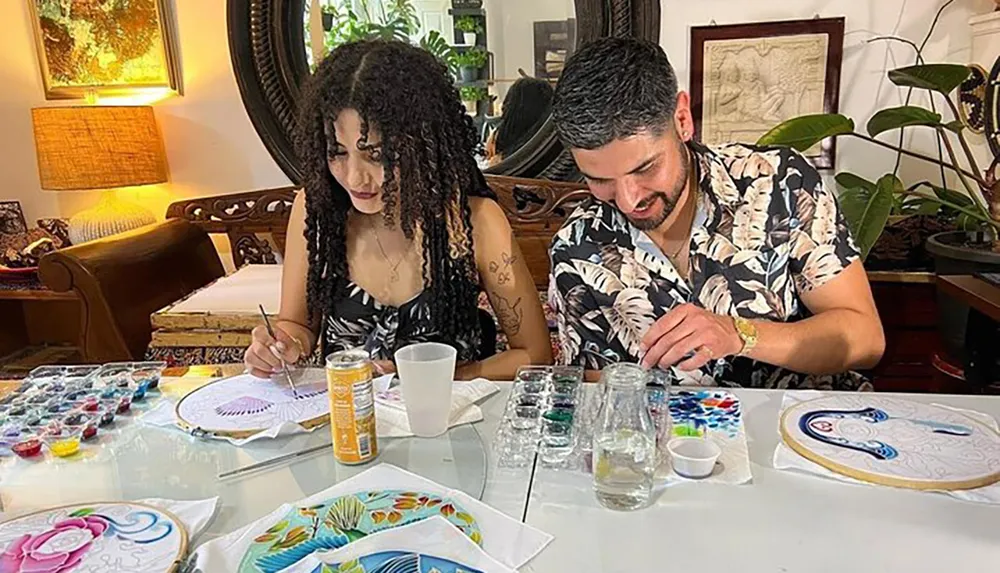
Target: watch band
x: 748, y: 334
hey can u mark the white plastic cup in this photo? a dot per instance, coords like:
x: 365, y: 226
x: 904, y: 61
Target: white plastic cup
x: 426, y: 372
x: 694, y: 457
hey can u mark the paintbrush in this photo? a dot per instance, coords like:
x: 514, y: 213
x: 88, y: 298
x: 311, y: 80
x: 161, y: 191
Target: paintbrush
x: 284, y: 366
x: 274, y: 461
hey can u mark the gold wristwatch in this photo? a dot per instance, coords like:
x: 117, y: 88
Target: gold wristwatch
x: 748, y: 334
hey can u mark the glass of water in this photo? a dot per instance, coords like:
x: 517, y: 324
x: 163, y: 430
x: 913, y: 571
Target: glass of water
x: 624, y: 456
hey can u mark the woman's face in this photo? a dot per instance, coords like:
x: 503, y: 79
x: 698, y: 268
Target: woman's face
x: 359, y: 171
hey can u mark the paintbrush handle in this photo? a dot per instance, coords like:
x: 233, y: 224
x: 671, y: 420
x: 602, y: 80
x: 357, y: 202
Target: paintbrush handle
x: 284, y: 365
x: 273, y: 461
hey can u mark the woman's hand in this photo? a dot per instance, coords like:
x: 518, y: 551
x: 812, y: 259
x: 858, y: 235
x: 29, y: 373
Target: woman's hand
x: 263, y: 357
x: 383, y: 367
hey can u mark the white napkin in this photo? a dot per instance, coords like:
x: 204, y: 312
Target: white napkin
x: 448, y: 543
x: 504, y: 539
x: 390, y: 408
x: 787, y: 459
x: 163, y: 415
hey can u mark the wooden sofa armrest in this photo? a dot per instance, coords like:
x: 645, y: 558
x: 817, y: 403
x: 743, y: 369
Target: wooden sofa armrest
x: 124, y: 278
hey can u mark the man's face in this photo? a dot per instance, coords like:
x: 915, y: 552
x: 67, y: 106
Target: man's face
x: 642, y: 175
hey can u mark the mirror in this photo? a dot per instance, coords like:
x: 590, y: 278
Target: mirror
x: 506, y: 57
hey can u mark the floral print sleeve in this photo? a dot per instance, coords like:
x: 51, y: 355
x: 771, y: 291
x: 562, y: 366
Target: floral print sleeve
x: 821, y: 242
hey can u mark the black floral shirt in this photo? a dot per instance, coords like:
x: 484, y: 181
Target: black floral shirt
x: 357, y: 320
x: 765, y: 230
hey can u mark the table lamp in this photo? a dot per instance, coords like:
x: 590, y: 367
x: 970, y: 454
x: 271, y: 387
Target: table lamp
x: 100, y: 147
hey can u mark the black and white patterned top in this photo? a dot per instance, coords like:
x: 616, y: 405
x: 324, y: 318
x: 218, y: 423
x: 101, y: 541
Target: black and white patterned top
x: 765, y: 230
x: 357, y: 316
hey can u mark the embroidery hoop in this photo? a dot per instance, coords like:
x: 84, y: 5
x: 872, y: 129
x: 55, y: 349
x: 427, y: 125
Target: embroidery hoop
x: 198, y: 431
x: 182, y: 549
x: 791, y: 416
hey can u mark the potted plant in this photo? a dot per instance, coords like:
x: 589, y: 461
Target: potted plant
x: 469, y: 27
x: 469, y: 63
x: 471, y: 96
x: 868, y: 206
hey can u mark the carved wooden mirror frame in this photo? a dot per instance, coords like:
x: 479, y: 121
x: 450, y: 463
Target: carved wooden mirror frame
x: 267, y: 46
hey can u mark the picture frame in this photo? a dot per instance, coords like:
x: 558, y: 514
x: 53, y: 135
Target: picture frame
x: 747, y: 78
x: 105, y: 47
x: 12, y: 219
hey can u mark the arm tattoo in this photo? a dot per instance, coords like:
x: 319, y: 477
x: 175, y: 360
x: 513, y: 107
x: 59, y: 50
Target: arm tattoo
x: 503, y: 268
x: 510, y: 315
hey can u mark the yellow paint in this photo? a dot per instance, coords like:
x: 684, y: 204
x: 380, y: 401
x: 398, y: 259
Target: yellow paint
x: 65, y: 447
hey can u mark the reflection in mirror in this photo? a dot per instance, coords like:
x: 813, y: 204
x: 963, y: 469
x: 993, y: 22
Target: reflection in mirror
x: 505, y: 55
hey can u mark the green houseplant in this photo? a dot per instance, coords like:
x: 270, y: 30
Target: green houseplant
x: 469, y: 26
x: 470, y: 62
x: 868, y: 205
x: 471, y: 96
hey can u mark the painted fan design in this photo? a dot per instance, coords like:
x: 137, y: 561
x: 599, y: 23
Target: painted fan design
x: 337, y: 522
x: 243, y: 406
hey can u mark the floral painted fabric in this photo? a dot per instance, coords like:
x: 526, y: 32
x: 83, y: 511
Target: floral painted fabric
x: 765, y: 231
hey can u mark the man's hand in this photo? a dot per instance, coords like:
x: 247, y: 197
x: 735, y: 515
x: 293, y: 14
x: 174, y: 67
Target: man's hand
x: 688, y: 337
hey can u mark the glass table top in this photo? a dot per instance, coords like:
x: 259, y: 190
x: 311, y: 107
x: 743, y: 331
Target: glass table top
x: 135, y: 461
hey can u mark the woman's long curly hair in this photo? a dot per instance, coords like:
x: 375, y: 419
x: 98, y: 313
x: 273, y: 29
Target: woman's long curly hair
x: 427, y: 149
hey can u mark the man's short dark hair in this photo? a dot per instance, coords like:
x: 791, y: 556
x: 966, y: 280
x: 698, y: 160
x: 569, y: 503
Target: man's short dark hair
x: 614, y: 88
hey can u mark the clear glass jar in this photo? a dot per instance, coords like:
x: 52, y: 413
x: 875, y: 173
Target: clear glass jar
x: 624, y: 456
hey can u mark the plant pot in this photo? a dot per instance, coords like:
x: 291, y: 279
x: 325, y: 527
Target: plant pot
x: 959, y: 253
x: 327, y: 22
x: 901, y: 246
x: 471, y: 106
x: 468, y: 74
x: 470, y: 38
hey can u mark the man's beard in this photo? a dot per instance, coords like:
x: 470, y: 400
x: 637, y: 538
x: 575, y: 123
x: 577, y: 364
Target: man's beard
x: 669, y: 200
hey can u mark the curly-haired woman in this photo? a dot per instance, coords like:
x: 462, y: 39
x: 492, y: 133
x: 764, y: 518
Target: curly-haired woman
x: 397, y: 232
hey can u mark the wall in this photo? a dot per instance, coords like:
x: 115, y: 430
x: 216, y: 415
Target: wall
x: 211, y: 146
x: 864, y: 87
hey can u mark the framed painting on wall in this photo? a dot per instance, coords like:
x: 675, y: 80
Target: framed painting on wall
x: 747, y: 78
x: 104, y: 47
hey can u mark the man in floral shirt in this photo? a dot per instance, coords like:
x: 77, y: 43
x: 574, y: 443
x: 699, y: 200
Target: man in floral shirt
x: 733, y: 265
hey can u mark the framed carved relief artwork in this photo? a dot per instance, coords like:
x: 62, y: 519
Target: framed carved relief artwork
x: 747, y: 78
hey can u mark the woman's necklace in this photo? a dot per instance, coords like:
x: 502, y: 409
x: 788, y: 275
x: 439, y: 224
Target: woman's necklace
x: 393, y: 267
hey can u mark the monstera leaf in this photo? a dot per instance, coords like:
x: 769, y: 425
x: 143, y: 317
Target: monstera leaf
x: 904, y: 116
x: 942, y: 78
x: 803, y: 132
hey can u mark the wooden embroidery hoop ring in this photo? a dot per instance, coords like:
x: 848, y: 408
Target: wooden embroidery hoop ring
x: 235, y: 434
x: 181, y: 551
x: 881, y: 479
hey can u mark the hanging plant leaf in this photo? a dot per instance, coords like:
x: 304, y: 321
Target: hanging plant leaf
x: 847, y: 180
x: 956, y: 126
x: 852, y: 204
x: 801, y: 133
x: 877, y: 213
x: 942, y: 78
x: 898, y: 117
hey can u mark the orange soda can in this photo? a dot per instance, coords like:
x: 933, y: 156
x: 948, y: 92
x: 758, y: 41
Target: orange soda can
x: 352, y: 406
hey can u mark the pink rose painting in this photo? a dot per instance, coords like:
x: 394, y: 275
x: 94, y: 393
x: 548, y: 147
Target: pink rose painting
x: 26, y: 555
x: 63, y: 546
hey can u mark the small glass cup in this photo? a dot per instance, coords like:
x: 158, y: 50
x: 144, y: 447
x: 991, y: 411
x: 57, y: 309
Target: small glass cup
x: 532, y: 379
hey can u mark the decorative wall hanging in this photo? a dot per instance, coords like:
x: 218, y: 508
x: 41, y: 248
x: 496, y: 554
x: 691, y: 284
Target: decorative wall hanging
x: 972, y: 99
x: 893, y: 442
x: 747, y: 78
x: 109, y: 537
x: 104, y: 46
x: 242, y: 406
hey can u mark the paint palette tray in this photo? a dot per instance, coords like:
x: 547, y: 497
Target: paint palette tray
x: 540, y: 416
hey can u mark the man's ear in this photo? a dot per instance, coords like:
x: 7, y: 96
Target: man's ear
x: 683, y: 120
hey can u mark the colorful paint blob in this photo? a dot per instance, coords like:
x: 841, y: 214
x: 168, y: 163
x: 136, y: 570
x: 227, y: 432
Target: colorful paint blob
x: 28, y: 448
x: 65, y: 447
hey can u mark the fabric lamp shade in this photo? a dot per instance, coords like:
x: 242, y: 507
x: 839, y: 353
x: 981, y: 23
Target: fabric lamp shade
x: 98, y: 147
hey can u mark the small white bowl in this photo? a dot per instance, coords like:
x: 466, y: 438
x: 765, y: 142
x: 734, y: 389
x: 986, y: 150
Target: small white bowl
x: 693, y: 457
